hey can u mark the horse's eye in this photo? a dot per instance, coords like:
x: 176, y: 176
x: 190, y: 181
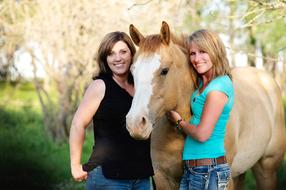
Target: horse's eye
x: 164, y: 71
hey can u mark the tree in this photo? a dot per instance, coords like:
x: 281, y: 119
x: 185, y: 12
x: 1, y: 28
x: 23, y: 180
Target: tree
x: 13, y: 15
x: 246, y: 26
x: 67, y: 34
x: 267, y: 21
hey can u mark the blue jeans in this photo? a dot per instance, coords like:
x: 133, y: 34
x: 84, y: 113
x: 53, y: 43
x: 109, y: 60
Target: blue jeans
x: 97, y: 181
x: 213, y: 177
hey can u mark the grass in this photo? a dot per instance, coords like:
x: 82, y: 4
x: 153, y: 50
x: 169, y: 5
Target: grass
x: 30, y: 160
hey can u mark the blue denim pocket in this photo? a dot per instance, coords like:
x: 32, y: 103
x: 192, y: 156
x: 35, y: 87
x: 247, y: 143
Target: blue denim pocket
x: 223, y: 178
x: 198, y: 177
x: 95, y: 179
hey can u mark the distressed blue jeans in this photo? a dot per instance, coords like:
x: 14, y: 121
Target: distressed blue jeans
x: 97, y: 181
x: 212, y: 177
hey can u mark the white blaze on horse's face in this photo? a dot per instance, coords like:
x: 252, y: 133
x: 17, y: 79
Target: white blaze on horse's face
x: 138, y: 122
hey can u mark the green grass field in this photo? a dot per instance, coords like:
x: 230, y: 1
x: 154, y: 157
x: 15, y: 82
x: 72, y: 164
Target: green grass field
x: 30, y: 160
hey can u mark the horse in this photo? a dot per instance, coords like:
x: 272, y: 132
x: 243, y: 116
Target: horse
x: 164, y: 80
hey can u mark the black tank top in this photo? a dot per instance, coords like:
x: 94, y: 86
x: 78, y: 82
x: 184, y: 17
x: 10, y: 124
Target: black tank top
x: 120, y: 156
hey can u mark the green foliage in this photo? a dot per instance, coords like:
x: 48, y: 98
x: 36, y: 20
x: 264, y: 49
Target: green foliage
x: 274, y: 40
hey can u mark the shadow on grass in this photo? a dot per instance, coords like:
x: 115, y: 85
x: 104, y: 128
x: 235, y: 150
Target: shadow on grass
x: 282, y: 175
x: 29, y: 160
x: 23, y: 173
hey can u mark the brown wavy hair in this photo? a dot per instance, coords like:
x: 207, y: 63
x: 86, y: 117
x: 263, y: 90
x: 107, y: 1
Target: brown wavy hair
x: 105, y: 48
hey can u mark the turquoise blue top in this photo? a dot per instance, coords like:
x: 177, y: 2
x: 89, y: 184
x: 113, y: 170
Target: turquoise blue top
x: 214, y: 146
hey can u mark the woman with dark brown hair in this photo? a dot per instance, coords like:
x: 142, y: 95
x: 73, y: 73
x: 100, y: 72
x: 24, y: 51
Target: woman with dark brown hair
x: 118, y: 161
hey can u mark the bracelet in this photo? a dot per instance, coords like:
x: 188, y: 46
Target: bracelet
x: 178, y: 127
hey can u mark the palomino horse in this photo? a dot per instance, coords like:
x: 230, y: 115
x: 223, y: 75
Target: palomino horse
x: 255, y: 136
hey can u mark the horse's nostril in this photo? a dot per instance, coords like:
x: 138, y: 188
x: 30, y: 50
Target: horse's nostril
x: 143, y: 121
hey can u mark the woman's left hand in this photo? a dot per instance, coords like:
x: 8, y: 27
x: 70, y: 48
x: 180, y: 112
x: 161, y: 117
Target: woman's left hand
x: 173, y: 116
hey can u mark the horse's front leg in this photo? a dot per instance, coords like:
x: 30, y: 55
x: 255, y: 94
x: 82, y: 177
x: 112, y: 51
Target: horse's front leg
x: 166, y: 153
x: 168, y: 167
x: 165, y: 182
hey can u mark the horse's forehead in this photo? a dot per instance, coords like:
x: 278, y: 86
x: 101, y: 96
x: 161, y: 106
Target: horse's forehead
x: 146, y: 66
x: 150, y: 56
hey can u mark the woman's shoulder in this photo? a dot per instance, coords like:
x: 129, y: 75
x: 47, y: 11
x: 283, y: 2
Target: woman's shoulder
x: 97, y: 82
x: 96, y: 86
x: 221, y: 83
x: 222, y: 79
x: 95, y: 91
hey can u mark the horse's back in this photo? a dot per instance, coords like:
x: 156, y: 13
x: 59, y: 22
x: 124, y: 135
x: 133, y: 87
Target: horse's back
x: 257, y: 119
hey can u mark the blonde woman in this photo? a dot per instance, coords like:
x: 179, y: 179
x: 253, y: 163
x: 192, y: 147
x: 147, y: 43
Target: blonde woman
x: 204, y: 155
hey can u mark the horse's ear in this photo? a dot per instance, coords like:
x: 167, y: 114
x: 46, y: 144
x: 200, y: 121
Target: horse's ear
x: 136, y: 36
x: 165, y: 33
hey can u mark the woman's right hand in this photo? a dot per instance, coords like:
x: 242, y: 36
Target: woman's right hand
x: 173, y: 116
x: 78, y: 173
x: 83, y: 116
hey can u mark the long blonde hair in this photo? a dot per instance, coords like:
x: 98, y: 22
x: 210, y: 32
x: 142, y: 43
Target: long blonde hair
x: 211, y: 43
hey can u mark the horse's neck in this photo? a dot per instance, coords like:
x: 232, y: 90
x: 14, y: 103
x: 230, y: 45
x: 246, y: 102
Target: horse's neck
x: 186, y: 88
x: 185, y: 82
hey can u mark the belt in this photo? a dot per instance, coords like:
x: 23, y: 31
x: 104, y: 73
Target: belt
x: 205, y: 162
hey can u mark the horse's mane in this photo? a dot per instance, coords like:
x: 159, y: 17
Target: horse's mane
x: 181, y: 41
x: 150, y: 43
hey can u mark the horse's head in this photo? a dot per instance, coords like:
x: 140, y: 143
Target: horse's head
x: 161, y: 69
